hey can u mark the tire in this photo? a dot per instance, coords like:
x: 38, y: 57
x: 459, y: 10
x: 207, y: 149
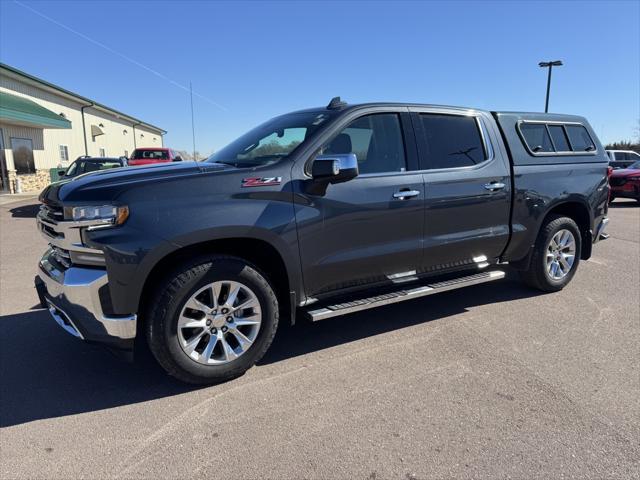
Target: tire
x: 538, y: 275
x: 167, y: 320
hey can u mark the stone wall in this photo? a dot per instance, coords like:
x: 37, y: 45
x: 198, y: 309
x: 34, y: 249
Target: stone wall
x: 31, y: 182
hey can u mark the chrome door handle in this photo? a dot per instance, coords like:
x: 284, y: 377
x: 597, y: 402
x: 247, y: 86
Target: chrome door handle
x: 493, y: 186
x: 404, y: 194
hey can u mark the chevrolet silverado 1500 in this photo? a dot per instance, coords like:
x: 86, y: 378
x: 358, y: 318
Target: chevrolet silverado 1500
x: 316, y: 214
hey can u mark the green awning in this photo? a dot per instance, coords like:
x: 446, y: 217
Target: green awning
x: 22, y: 111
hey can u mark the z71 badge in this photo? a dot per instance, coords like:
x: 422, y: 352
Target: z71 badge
x: 261, y: 181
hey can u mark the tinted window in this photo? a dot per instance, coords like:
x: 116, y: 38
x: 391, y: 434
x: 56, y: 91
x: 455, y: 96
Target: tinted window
x: 376, y: 141
x: 150, y: 155
x: 536, y: 136
x: 620, y: 156
x: 452, y: 141
x: 559, y: 138
x: 579, y: 138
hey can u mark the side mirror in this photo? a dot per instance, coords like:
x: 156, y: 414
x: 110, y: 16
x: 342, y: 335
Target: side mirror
x: 335, y: 168
x: 61, y: 173
x: 177, y: 158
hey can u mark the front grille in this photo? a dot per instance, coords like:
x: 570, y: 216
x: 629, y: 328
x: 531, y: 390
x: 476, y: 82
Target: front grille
x: 53, y: 212
x: 617, y: 182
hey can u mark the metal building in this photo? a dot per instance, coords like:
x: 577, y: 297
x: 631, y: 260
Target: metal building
x: 45, y: 127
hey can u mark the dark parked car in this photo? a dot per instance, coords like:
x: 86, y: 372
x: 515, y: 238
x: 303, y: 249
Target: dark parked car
x: 316, y: 214
x: 92, y: 164
x: 149, y: 156
x: 625, y: 183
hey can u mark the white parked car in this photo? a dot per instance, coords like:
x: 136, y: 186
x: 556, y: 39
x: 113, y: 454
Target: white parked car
x: 622, y: 158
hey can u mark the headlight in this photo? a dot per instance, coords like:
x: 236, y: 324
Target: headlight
x: 99, y: 215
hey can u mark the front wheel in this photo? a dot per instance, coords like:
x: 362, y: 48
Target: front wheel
x: 556, y: 255
x: 212, y: 320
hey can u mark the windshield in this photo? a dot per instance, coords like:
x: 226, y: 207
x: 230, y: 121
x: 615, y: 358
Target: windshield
x: 91, y: 165
x: 635, y: 166
x: 272, y: 140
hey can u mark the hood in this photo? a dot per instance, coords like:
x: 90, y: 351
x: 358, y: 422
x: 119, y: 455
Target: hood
x: 105, y: 185
x: 626, y: 172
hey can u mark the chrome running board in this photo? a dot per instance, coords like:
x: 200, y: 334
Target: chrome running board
x: 402, y: 295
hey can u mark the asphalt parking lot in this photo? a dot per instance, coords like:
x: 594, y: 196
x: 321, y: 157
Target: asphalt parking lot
x: 495, y: 381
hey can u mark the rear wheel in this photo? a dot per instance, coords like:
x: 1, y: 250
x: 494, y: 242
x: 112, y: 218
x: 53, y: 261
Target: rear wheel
x: 213, y: 320
x: 556, y: 255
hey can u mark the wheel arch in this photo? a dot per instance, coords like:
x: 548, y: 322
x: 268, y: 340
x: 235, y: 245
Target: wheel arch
x: 258, y: 252
x: 576, y: 209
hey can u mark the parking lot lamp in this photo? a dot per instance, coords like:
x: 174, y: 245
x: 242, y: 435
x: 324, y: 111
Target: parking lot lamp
x: 555, y: 63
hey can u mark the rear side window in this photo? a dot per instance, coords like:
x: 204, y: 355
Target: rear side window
x: 537, y: 137
x: 150, y: 155
x: 580, y: 138
x: 549, y: 138
x: 559, y: 138
x: 452, y: 141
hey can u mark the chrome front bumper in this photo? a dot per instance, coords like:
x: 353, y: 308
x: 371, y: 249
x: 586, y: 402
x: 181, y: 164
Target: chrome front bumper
x: 72, y: 296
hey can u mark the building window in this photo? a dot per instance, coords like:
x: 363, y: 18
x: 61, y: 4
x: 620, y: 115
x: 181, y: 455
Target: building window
x: 23, y: 160
x: 103, y: 153
x: 64, y: 153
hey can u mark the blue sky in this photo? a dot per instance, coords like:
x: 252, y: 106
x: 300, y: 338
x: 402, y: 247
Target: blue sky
x: 251, y: 61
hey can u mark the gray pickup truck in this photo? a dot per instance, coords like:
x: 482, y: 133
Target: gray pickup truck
x: 312, y: 215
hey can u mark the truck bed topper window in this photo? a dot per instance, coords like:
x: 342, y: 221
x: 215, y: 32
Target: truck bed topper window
x: 542, y: 138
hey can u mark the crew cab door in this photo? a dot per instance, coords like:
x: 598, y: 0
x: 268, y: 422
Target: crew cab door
x: 467, y: 188
x: 370, y: 228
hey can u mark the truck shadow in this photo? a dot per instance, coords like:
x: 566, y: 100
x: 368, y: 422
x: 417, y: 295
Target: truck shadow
x: 25, y: 211
x: 45, y: 373
x: 306, y: 337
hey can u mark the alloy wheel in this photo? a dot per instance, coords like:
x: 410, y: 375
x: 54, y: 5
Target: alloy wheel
x: 561, y: 254
x: 219, y: 322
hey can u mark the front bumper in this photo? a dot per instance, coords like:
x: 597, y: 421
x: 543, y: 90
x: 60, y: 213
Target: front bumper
x: 72, y: 296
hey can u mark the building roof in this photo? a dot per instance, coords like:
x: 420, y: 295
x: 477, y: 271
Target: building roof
x: 25, y: 112
x: 80, y: 98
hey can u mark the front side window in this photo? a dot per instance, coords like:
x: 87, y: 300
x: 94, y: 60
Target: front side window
x: 452, y: 141
x: 22, y: 149
x: 376, y: 141
x: 579, y: 138
x: 537, y: 137
x: 272, y: 141
x: 559, y: 138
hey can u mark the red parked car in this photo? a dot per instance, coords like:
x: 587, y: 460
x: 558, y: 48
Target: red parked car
x: 147, y: 156
x: 625, y: 183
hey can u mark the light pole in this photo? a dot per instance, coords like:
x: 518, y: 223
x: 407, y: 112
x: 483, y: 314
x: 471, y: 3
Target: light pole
x: 555, y: 63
